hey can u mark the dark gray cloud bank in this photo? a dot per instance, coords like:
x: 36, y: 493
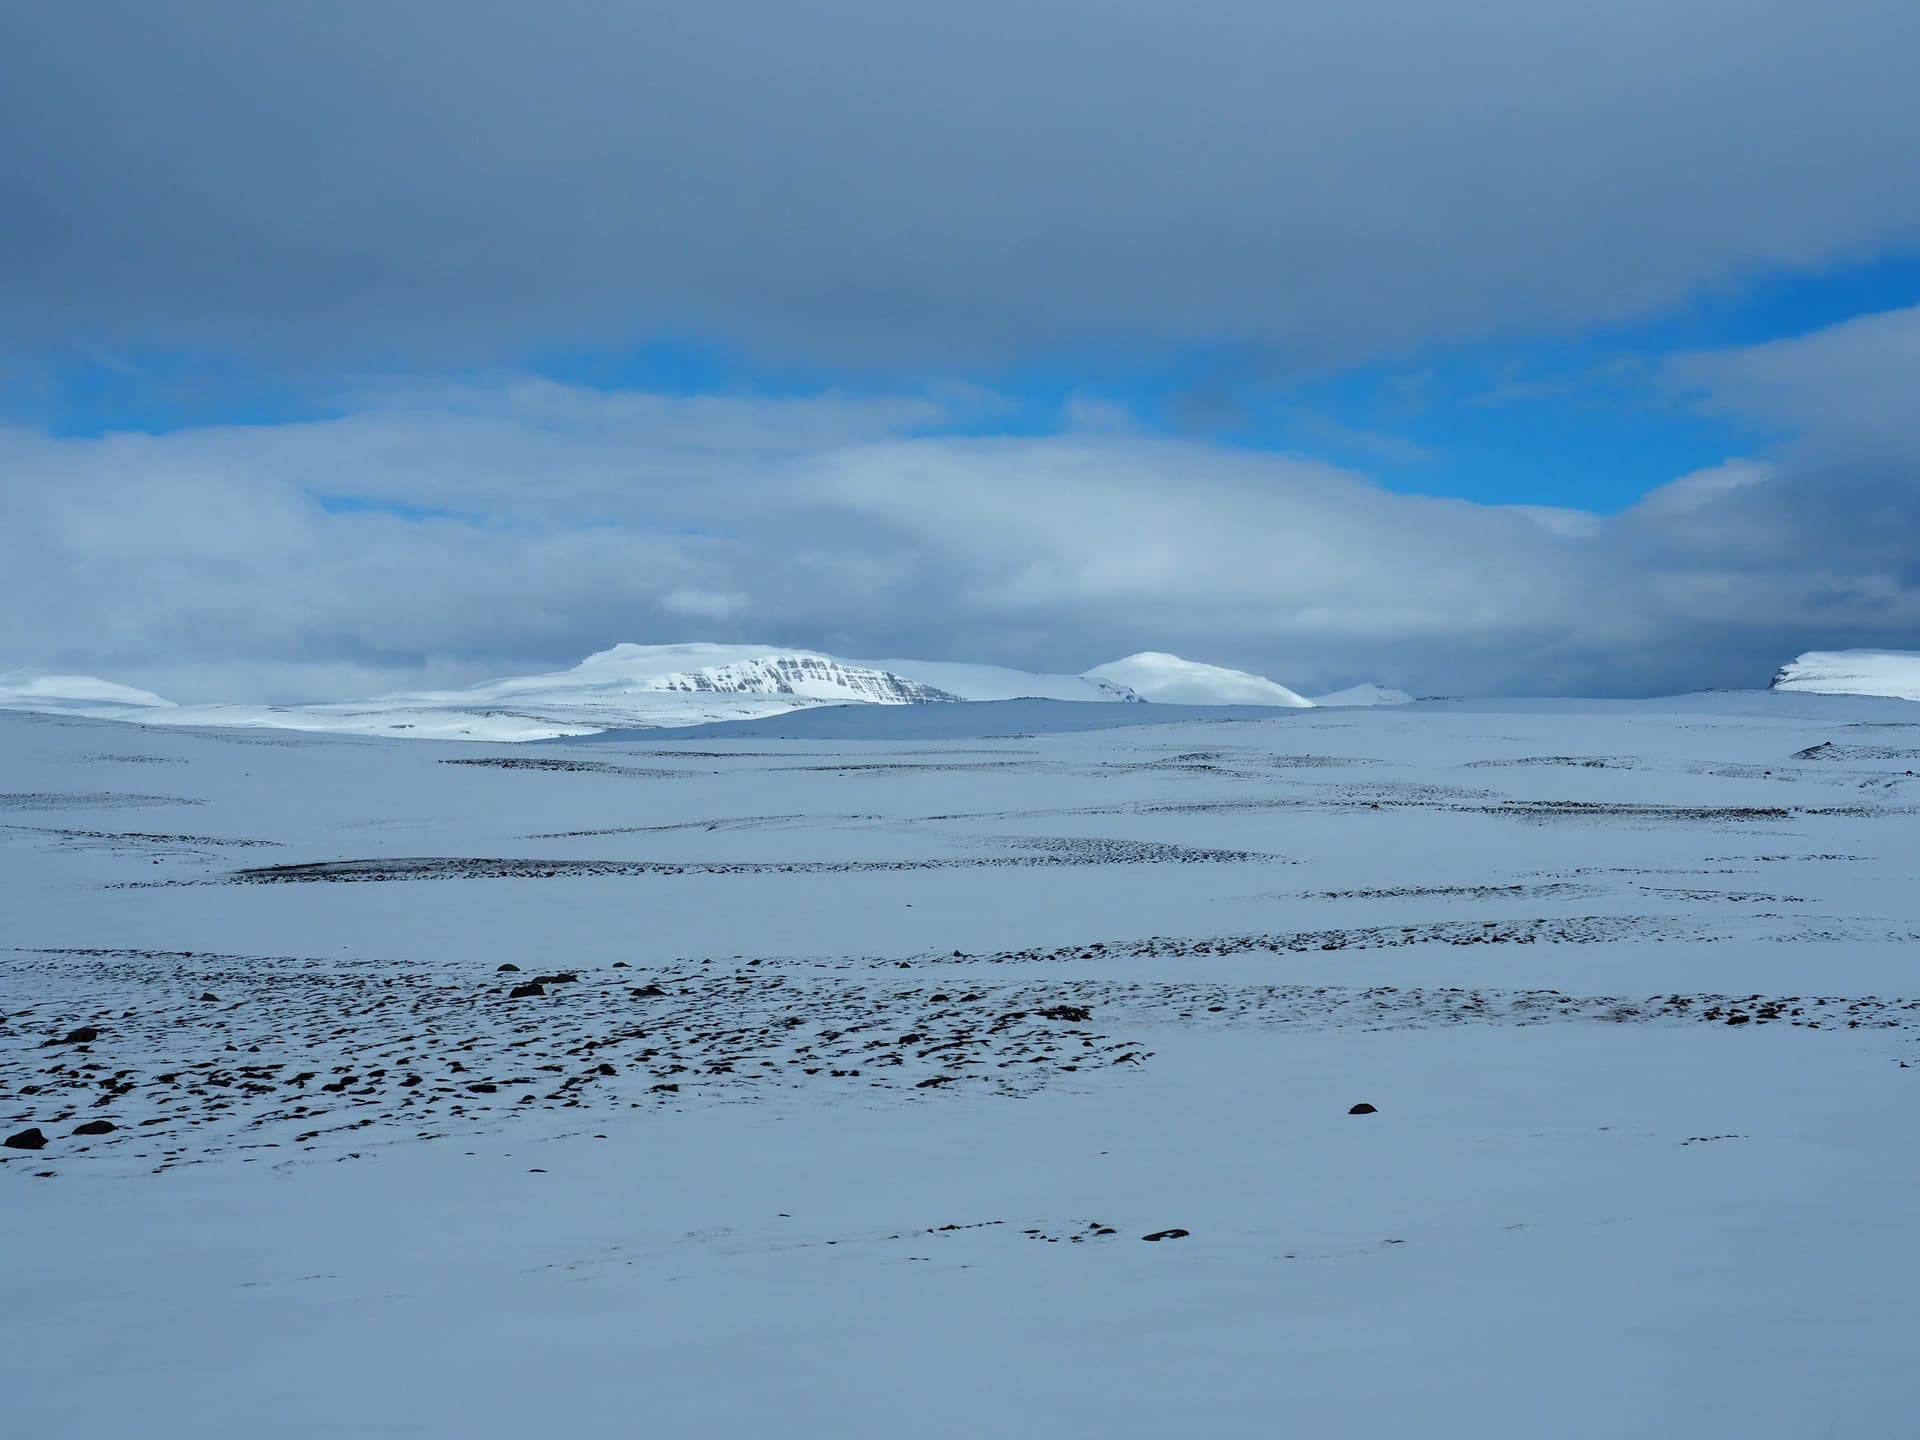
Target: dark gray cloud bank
x: 888, y: 185
x: 866, y: 179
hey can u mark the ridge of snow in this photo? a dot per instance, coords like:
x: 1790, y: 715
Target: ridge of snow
x: 626, y: 687
x: 72, y: 694
x: 1893, y: 674
x: 659, y: 687
x: 997, y: 682
x: 1367, y: 694
x: 1156, y: 675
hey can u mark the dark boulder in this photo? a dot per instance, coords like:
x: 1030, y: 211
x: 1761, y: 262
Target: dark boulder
x: 1363, y: 1109
x: 1174, y: 1234
x: 95, y: 1127
x: 26, y: 1140
x: 521, y: 992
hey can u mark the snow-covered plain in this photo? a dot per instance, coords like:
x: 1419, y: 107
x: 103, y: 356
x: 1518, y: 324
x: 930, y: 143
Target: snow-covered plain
x: 863, y: 1067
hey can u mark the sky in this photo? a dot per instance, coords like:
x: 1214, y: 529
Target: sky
x: 1494, y: 347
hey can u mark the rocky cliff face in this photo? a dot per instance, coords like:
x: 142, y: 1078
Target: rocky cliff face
x: 812, y: 677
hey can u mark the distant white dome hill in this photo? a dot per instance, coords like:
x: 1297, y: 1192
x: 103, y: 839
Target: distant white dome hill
x: 1154, y: 675
x: 1365, y: 695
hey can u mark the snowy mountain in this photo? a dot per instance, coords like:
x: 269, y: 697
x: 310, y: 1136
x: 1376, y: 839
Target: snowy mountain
x: 995, y: 682
x: 623, y: 688
x: 71, y: 694
x: 642, y: 687
x: 628, y: 670
x: 1891, y: 673
x: 807, y: 676
x: 626, y: 687
x: 1364, y: 695
x: 1154, y: 675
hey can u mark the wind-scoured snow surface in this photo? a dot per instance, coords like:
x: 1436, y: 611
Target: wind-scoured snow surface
x: 854, y: 1075
x: 1894, y: 674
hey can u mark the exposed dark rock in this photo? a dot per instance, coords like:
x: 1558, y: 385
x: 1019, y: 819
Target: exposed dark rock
x: 1077, y: 1014
x: 521, y: 992
x: 1363, y: 1109
x: 95, y: 1127
x: 1174, y: 1234
x: 507, y: 969
x: 26, y: 1140
x: 210, y: 996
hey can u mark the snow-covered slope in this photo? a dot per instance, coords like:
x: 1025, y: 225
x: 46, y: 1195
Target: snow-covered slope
x: 996, y: 682
x: 624, y: 688
x: 976, y: 720
x: 1891, y: 673
x: 72, y: 694
x: 1155, y: 675
x: 627, y: 670
x: 1368, y: 694
x: 647, y: 687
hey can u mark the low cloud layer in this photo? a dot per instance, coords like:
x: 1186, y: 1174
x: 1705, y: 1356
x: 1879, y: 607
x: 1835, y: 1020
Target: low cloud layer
x: 445, y: 534
x: 867, y: 181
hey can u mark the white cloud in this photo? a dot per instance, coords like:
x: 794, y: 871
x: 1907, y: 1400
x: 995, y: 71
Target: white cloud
x: 436, y: 536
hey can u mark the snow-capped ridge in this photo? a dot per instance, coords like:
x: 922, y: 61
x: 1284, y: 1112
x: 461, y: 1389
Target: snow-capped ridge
x: 625, y: 687
x: 663, y: 687
x: 72, y: 694
x: 1367, y: 694
x: 997, y: 682
x: 813, y: 677
x: 1893, y: 674
x: 1156, y: 675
